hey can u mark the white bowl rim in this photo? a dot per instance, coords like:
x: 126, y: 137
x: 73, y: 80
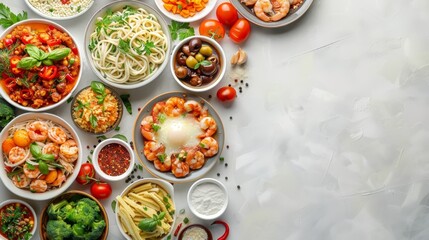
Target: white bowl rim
x: 163, y: 183
x: 220, y: 75
x: 161, y: 21
x: 178, y: 18
x: 52, y: 106
x: 40, y: 13
x: 14, y: 200
x: 97, y: 166
x: 202, y: 181
x: 70, y: 180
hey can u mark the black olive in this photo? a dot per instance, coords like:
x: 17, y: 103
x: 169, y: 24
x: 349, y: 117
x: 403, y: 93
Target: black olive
x: 208, y: 69
x: 181, y: 72
x: 196, y: 80
x: 195, y: 45
x: 185, y: 49
x: 181, y: 58
x: 206, y: 79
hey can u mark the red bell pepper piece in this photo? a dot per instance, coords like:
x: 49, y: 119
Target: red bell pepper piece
x: 48, y: 72
x: 14, y: 61
x: 69, y: 78
x: 53, y: 42
x: 26, y: 93
x: 44, y: 37
x: 26, y: 39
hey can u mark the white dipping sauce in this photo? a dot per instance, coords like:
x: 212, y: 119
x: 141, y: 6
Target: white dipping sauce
x: 208, y: 198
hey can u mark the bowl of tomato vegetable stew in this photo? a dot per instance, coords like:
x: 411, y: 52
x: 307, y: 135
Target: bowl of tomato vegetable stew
x: 41, y: 156
x: 17, y: 220
x: 74, y: 215
x: 113, y: 159
x: 198, y: 63
x: 40, y: 65
x: 97, y: 108
x: 146, y: 209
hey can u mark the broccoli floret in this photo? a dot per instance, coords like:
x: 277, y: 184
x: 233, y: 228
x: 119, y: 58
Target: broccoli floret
x: 55, y: 210
x: 83, y: 214
x: 78, y: 231
x: 58, y: 230
x: 91, y: 203
x: 97, y: 229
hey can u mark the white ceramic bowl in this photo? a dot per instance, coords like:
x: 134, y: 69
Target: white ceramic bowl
x: 219, y: 74
x: 163, y: 184
x: 177, y: 17
x: 206, y: 201
x: 117, y: 6
x: 25, y: 193
x: 77, y: 10
x: 97, y: 168
x: 9, y: 201
x: 4, y: 94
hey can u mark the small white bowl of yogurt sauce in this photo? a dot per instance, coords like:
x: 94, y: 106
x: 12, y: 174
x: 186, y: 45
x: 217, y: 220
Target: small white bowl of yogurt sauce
x: 207, y: 198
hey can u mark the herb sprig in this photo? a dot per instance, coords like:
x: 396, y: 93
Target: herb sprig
x: 149, y: 224
x: 180, y: 30
x: 42, y: 158
x: 37, y: 56
x: 8, y: 18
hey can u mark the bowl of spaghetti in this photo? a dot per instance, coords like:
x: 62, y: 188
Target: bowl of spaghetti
x: 127, y: 44
x: 41, y: 156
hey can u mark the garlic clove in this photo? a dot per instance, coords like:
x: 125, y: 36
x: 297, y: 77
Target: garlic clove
x: 234, y: 58
x: 242, y: 57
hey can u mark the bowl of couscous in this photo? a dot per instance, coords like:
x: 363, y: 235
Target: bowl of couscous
x: 59, y: 9
x: 97, y: 109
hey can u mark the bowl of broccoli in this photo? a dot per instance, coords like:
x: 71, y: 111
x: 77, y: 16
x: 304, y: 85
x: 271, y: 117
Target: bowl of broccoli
x: 74, y: 215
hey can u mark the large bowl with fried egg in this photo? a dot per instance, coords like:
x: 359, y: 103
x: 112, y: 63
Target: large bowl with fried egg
x: 177, y: 132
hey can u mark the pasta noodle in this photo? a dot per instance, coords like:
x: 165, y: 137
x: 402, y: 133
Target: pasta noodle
x: 128, y: 46
x: 142, y: 202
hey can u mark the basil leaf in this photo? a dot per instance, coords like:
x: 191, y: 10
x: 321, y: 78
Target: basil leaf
x: 93, y: 120
x: 43, y: 167
x: 35, y: 150
x: 148, y: 224
x: 47, y: 62
x: 35, y: 52
x: 27, y: 63
x: 120, y: 136
x: 47, y: 157
x: 98, y: 87
x: 101, y: 137
x: 30, y: 166
x: 58, y: 54
x: 113, y: 204
x: 126, y: 100
x: 202, y: 63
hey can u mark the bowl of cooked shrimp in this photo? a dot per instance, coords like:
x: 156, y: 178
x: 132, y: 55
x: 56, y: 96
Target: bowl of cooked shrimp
x: 41, y: 156
x: 272, y: 13
x: 178, y: 137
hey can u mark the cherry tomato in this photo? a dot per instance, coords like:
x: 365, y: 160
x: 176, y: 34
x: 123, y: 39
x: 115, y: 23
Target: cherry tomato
x: 8, y: 41
x: 10, y: 83
x: 26, y: 38
x: 226, y: 13
x: 86, y: 174
x: 226, y: 94
x: 48, y: 72
x: 212, y: 28
x: 240, y: 31
x: 101, y: 190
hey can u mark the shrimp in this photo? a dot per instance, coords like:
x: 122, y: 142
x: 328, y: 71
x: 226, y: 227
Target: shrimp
x: 51, y: 148
x: 152, y: 149
x: 69, y: 151
x: 281, y: 9
x: 38, y: 186
x: 31, y: 173
x: 60, y: 179
x: 195, y: 160
x: 209, y: 146
x: 174, y: 106
x: 295, y: 2
x: 163, y: 163
x: 20, y: 180
x: 37, y: 131
x: 263, y: 10
x: 67, y: 166
x: 249, y: 2
x: 57, y: 135
x: 194, y: 107
x: 208, y: 124
x: 146, y: 128
x: 157, y: 109
x: 179, y: 168
x: 17, y: 155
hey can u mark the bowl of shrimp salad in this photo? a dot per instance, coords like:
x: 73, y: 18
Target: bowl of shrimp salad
x: 41, y: 156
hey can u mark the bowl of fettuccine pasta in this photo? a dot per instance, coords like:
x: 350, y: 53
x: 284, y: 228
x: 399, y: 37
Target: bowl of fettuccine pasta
x: 127, y: 44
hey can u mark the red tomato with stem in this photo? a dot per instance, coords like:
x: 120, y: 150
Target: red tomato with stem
x: 240, y: 31
x: 226, y: 94
x: 212, y: 28
x: 86, y: 174
x: 226, y: 14
x: 101, y: 190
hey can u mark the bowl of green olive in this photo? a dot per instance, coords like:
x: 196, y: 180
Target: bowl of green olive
x: 198, y: 63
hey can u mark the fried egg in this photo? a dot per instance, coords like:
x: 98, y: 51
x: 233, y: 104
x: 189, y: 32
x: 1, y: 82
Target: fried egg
x: 178, y: 132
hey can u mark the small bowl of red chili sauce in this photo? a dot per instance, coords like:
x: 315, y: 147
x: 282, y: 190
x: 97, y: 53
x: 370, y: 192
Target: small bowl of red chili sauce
x: 113, y: 159
x: 17, y: 220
